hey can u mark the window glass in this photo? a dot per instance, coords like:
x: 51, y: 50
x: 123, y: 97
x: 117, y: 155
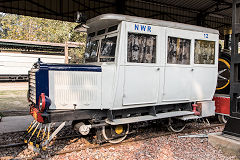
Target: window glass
x: 178, y: 50
x: 113, y: 28
x: 101, y: 32
x: 108, y: 47
x: 91, y: 51
x: 91, y: 34
x: 204, y: 52
x: 141, y: 48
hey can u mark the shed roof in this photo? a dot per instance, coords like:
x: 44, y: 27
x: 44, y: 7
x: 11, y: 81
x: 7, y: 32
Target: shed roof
x: 214, y: 14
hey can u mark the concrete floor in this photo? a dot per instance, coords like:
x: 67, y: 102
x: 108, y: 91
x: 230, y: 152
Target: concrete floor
x: 13, y: 86
x: 228, y: 144
x: 15, y: 123
x: 20, y: 123
x: 13, y: 98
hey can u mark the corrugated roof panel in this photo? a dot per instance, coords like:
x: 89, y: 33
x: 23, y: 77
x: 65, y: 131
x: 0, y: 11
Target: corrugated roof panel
x: 191, y: 4
x: 172, y: 10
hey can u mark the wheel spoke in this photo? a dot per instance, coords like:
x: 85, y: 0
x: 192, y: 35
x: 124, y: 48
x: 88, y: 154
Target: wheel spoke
x: 220, y: 72
x: 221, y: 77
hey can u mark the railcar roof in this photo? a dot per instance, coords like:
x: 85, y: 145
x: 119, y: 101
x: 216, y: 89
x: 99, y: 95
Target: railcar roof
x: 105, y: 20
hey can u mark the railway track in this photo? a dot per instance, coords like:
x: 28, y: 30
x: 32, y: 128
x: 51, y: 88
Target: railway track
x: 135, y: 140
x: 24, y: 144
x: 97, y: 146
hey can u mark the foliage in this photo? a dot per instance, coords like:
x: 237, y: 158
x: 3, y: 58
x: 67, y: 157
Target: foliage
x: 77, y: 54
x: 18, y: 27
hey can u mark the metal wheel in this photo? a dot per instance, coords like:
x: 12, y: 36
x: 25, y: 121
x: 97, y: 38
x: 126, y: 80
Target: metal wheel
x: 176, y: 125
x: 223, y: 81
x: 115, y: 134
x: 223, y: 118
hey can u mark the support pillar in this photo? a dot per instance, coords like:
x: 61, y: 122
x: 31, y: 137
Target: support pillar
x: 227, y: 38
x: 233, y: 125
x: 66, y: 52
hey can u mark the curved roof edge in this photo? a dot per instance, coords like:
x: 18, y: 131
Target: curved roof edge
x: 120, y: 17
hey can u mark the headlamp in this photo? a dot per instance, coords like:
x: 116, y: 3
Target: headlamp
x: 44, y: 102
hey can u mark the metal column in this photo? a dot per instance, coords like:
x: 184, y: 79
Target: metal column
x: 233, y: 125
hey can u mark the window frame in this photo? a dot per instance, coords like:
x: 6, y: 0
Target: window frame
x: 214, y: 58
x: 166, y: 50
x: 100, y: 38
x: 107, y: 36
x: 92, y: 39
x: 96, y: 50
x: 142, y: 64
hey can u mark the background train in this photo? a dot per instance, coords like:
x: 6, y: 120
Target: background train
x: 18, y: 56
x: 15, y: 66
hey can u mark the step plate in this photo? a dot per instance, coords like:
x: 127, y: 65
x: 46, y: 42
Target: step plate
x: 148, y: 117
x: 189, y: 117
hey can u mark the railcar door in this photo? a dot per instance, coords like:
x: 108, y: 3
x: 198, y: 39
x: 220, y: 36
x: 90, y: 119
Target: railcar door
x: 205, y: 66
x: 141, y: 70
x: 178, y: 69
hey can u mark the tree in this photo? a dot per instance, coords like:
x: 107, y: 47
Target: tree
x: 18, y: 27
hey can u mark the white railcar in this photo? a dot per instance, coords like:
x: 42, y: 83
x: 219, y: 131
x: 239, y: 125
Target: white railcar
x: 137, y: 69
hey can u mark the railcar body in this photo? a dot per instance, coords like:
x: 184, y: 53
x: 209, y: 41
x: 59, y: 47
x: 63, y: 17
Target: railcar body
x: 137, y: 69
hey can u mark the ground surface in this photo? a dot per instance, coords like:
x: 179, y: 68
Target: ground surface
x: 13, y: 98
x: 168, y: 147
x: 161, y: 148
x: 13, y: 86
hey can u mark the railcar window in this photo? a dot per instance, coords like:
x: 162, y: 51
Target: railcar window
x: 141, y: 48
x: 91, y: 34
x: 178, y: 51
x: 113, y: 28
x: 108, y: 46
x: 204, y: 52
x: 101, y: 32
x: 91, y: 51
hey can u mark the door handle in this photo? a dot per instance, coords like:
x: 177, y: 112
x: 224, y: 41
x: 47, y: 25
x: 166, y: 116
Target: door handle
x: 158, y: 69
x: 192, y: 69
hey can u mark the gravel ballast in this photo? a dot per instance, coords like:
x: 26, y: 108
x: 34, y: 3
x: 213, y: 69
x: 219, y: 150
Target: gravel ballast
x: 169, y: 147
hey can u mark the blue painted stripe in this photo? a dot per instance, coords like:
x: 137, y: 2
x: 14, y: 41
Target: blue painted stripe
x: 42, y: 85
x: 70, y: 67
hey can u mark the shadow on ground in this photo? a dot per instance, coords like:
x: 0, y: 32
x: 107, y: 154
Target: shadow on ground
x: 13, y: 102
